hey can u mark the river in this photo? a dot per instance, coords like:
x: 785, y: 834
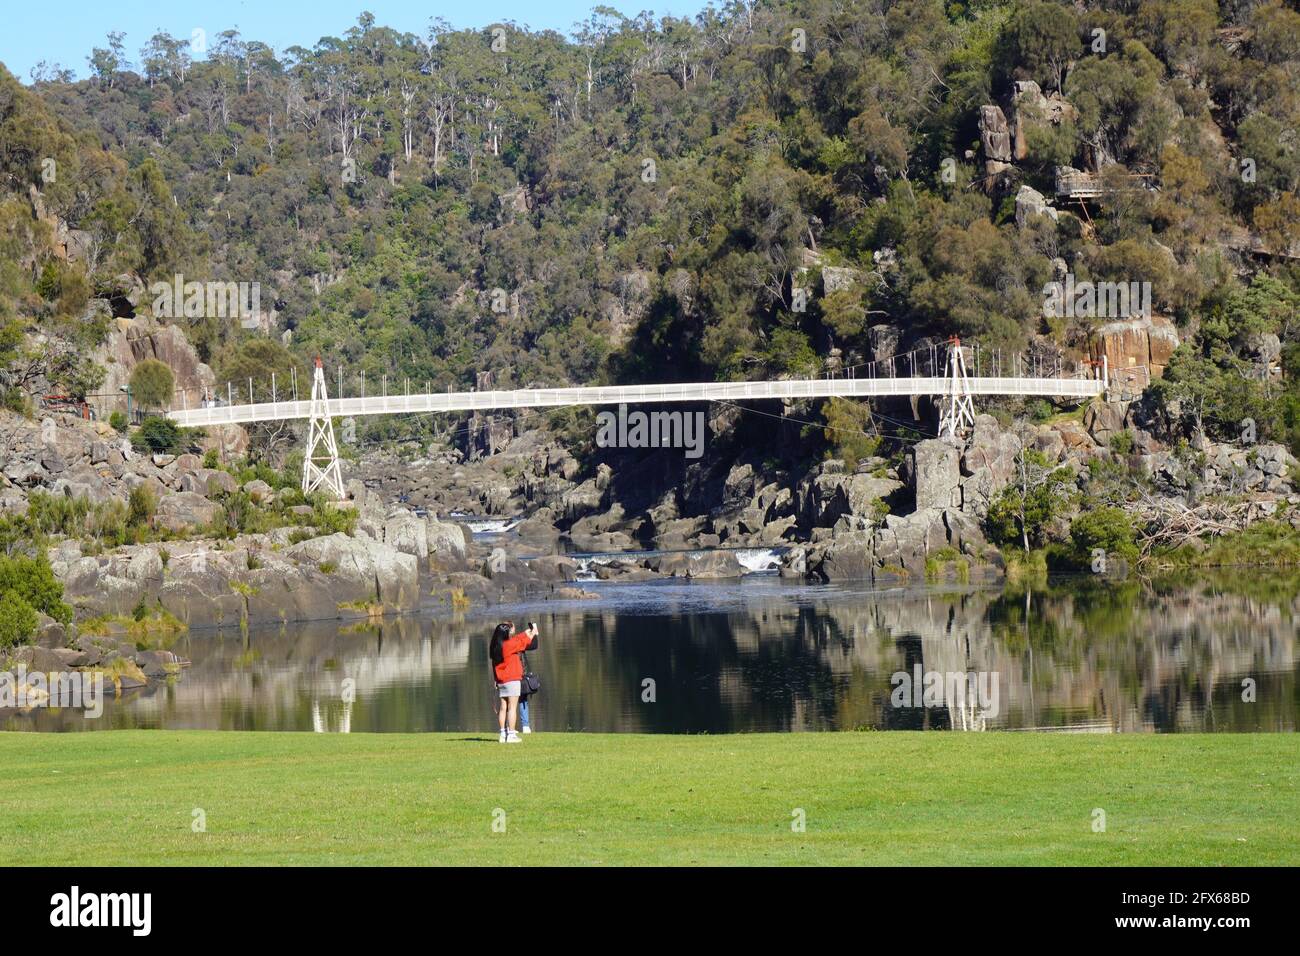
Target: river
x: 1214, y: 652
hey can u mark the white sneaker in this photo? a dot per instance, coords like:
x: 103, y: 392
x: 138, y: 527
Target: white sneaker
x: 502, y: 736
x: 527, y: 730
x: 513, y: 738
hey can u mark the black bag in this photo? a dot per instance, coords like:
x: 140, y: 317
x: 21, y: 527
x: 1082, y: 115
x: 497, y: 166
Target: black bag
x: 531, y: 684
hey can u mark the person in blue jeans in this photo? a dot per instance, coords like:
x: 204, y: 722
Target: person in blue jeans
x: 524, y: 726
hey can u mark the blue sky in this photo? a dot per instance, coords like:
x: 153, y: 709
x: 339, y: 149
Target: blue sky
x: 64, y: 32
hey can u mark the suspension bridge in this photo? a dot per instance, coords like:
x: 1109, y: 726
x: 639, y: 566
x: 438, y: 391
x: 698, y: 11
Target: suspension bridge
x: 952, y: 375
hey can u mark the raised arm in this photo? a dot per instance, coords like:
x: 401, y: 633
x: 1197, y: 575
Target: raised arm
x: 523, y: 641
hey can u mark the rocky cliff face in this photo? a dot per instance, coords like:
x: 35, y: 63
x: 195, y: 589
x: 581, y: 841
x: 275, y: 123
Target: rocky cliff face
x: 1138, y: 343
x: 131, y: 341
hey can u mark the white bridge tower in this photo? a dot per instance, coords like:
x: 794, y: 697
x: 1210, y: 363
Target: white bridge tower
x: 957, y: 413
x: 320, y: 466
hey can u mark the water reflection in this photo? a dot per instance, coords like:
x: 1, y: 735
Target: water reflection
x: 764, y: 655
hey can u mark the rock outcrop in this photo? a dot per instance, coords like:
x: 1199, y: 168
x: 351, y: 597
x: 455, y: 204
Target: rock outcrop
x: 1135, y: 343
x: 905, y: 547
x: 935, y: 473
x: 131, y: 341
x: 995, y: 140
x: 1030, y: 109
x: 369, y: 571
x: 1030, y: 203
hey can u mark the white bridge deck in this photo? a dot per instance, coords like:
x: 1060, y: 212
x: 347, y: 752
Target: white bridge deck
x: 401, y: 404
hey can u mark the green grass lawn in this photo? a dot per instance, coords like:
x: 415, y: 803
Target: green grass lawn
x: 119, y: 797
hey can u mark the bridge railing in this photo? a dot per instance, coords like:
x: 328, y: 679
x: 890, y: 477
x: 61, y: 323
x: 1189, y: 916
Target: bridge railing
x: 936, y: 385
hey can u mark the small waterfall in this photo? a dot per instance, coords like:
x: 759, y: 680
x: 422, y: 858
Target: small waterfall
x: 586, y: 570
x: 759, y: 560
x: 492, y: 525
x: 484, y: 524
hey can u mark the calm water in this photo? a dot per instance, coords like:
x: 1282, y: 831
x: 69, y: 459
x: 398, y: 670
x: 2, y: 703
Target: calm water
x: 764, y: 655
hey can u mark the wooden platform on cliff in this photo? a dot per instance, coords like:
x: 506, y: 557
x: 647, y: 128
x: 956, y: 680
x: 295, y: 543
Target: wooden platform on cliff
x: 1080, y: 185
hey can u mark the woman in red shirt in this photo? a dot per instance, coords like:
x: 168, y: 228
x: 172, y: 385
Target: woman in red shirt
x: 508, y: 672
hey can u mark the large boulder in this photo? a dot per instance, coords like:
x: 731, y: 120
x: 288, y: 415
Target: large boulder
x: 554, y: 568
x: 905, y: 541
x: 447, y: 541
x: 698, y: 564
x: 1030, y: 203
x: 198, y: 588
x: 1273, y: 460
x: 94, y: 590
x: 228, y: 441
x: 146, y: 566
x: 883, y: 341
x: 1132, y: 344
x: 995, y: 135
x: 995, y: 140
x: 900, y: 548
x: 582, y: 500
x: 675, y: 533
x: 280, y: 593
x: 987, y: 465
x: 847, y: 556
x: 259, y: 490
x: 185, y: 509
x: 1104, y: 419
x: 406, y: 533
x: 935, y: 473
x: 837, y: 278
x: 208, y: 481
x: 365, y: 570
x: 823, y: 500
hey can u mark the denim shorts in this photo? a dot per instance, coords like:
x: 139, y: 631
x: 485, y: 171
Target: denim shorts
x: 509, y: 689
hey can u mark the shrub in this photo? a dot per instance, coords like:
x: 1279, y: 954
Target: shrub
x: 1023, y: 510
x: 245, y: 472
x: 107, y: 523
x: 1107, y: 529
x: 152, y: 383
x: 17, y: 620
x: 329, y: 519
x: 211, y: 459
x: 158, y: 435
x: 141, y: 505
x: 117, y: 420
x: 1040, y: 410
x: 845, y: 432
x: 1121, y: 442
x: 57, y: 514
x: 33, y: 580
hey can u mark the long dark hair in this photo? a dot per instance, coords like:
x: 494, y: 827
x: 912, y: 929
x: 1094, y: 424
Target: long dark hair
x: 499, y: 637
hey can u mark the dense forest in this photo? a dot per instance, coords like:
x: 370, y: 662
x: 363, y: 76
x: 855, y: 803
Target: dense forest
x: 648, y: 199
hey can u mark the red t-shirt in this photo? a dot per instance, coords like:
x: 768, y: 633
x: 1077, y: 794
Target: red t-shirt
x: 511, y: 667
